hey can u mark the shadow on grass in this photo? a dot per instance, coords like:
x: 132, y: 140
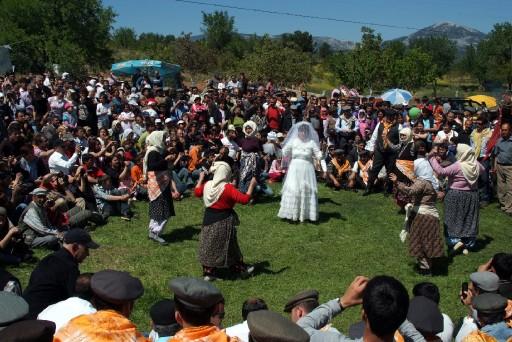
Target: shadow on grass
x: 182, y: 234
x: 324, y: 217
x: 267, y: 199
x: 441, y: 265
x: 262, y: 267
x: 325, y: 200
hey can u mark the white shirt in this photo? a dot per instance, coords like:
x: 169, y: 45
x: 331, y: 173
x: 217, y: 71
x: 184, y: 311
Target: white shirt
x: 240, y: 330
x: 231, y: 145
x: 447, y: 334
x: 468, y: 326
x: 59, y: 162
x: 64, y: 311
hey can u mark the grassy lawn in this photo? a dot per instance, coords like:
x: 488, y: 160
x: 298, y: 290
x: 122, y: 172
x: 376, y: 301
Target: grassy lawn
x: 356, y: 236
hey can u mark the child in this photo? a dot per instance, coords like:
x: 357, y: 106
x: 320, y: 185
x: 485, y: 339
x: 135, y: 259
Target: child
x: 69, y: 118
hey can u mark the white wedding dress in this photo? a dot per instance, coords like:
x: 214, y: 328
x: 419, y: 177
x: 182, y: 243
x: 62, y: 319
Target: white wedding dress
x: 299, y: 195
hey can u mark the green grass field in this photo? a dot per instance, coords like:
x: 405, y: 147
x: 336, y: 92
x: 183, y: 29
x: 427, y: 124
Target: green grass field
x: 355, y: 236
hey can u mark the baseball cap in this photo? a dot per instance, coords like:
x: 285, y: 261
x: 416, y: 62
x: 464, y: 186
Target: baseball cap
x: 168, y: 120
x: 80, y: 236
x: 157, y: 121
x: 181, y: 122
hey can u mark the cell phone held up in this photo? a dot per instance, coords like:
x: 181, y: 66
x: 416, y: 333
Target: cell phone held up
x: 464, y: 291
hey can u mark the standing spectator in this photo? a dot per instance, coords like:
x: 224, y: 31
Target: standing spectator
x: 103, y: 112
x: 503, y: 167
x: 273, y: 114
x: 241, y: 330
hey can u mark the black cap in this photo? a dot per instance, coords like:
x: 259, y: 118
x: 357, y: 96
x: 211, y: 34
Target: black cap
x: 80, y: 236
x: 195, y: 293
x: 29, y: 331
x: 425, y: 315
x: 489, y: 303
x: 389, y: 113
x: 269, y: 326
x: 301, y: 297
x: 116, y: 287
x: 162, y: 312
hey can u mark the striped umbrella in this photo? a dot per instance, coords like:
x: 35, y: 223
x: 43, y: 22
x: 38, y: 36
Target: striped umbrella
x: 396, y: 96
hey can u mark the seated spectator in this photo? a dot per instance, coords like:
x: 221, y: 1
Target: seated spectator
x: 35, y: 223
x: 490, y: 309
x: 268, y: 326
x: 54, y: 278
x: 301, y: 304
x: 163, y: 321
x: 29, y: 331
x: 114, y: 296
x: 426, y: 317
x: 13, y: 308
x: 196, y: 301
x: 110, y: 201
x: 33, y: 167
x: 338, y: 170
x: 241, y: 330
x: 79, y: 304
x: 59, y: 162
x: 431, y: 291
x: 140, y: 187
x: 480, y: 283
x: 385, y: 304
x: 276, y: 171
x: 12, y: 246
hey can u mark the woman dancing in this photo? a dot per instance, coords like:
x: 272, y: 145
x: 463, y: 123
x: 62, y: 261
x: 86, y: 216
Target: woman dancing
x: 218, y: 243
x: 160, y: 182
x: 299, y: 199
x: 250, y: 158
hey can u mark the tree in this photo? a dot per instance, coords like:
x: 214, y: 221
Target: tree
x: 474, y: 63
x: 192, y: 56
x: 283, y: 65
x: 124, y: 38
x: 71, y: 33
x: 443, y: 52
x: 497, y: 49
x: 301, y: 41
x: 324, y: 50
x: 218, y: 28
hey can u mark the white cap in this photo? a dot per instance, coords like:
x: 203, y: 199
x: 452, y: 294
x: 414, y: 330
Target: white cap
x: 168, y: 120
x: 181, y: 122
x: 147, y: 86
x: 158, y: 121
x: 271, y: 136
x: 280, y: 135
x: 231, y: 128
x: 133, y: 103
x: 89, y: 88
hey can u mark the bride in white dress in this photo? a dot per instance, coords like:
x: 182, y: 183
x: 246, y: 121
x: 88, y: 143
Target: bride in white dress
x: 299, y: 198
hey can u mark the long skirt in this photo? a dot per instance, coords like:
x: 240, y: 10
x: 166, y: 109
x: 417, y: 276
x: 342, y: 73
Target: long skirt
x: 249, y: 167
x: 425, y: 239
x: 218, y: 243
x: 461, y: 214
x: 162, y: 207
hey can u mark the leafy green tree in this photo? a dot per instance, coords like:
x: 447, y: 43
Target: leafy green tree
x: 443, y: 52
x: 497, y: 49
x: 324, y: 50
x: 192, y: 56
x: 218, y: 28
x: 124, y: 38
x: 474, y: 63
x: 299, y: 40
x: 270, y: 60
x: 71, y: 33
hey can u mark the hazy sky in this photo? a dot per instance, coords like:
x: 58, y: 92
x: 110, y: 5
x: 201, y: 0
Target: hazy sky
x: 173, y: 17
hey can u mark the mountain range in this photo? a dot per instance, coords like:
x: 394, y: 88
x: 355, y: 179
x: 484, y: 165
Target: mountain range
x: 463, y: 36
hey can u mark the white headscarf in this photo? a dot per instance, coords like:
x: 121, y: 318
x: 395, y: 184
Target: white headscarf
x: 309, y: 133
x: 408, y: 132
x: 466, y: 157
x: 251, y: 124
x: 423, y: 170
x: 213, y: 189
x: 154, y: 142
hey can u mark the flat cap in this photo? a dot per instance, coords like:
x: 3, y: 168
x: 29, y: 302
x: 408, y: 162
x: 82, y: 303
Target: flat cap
x: 116, y: 287
x: 29, y: 331
x: 39, y: 192
x: 80, y: 236
x: 486, y: 281
x: 12, y: 308
x: 268, y: 326
x: 301, y: 297
x: 195, y: 293
x: 489, y: 303
x: 425, y: 315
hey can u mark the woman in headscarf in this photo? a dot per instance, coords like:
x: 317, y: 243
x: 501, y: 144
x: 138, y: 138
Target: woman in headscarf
x: 159, y: 179
x: 299, y: 195
x: 218, y: 243
x: 250, y: 159
x: 461, y: 203
x: 404, y: 165
x: 422, y: 219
